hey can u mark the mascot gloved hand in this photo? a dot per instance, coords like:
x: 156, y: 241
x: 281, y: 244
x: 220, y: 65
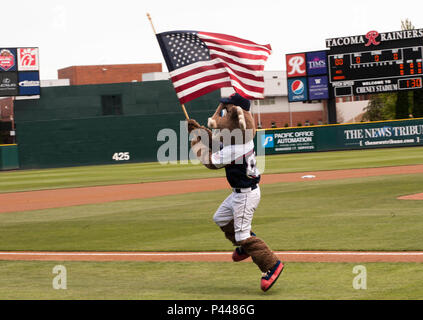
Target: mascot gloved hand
x: 229, y: 143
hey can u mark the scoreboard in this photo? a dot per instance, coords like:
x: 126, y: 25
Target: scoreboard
x: 376, y: 63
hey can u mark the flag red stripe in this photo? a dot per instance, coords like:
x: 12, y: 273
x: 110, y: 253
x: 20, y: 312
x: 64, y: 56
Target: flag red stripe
x: 212, y: 67
x: 232, y: 38
x: 247, y: 86
x: 229, y: 43
x: 229, y: 60
x: 216, y: 77
x: 239, y: 54
x: 203, y: 91
x: 200, y: 80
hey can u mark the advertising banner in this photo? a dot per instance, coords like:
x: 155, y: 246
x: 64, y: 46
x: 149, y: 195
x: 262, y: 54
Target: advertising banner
x: 316, y: 63
x: 19, y: 72
x: 29, y: 83
x: 8, y: 84
x: 28, y: 59
x: 7, y: 59
x: 318, y: 88
x: 289, y: 140
x: 296, y: 65
x: 403, y: 133
x: 297, y: 90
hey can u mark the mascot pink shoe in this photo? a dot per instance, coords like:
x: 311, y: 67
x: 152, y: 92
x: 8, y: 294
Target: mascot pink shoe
x: 269, y: 278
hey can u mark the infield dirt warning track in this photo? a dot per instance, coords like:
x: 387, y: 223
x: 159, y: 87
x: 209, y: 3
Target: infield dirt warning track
x: 45, y: 199
x: 286, y: 256
x: 57, y: 198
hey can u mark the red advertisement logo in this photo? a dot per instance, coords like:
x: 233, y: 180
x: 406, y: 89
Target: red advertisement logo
x: 27, y: 59
x: 7, y: 60
x: 371, y: 36
x: 295, y: 65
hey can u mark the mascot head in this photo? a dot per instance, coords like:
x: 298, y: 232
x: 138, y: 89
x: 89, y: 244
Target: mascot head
x: 233, y: 113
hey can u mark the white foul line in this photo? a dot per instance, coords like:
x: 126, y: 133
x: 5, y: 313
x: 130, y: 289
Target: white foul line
x: 207, y: 253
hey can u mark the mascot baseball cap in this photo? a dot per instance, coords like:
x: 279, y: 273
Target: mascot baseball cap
x: 237, y: 100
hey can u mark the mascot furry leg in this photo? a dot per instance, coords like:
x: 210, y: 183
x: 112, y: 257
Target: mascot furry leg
x: 253, y: 246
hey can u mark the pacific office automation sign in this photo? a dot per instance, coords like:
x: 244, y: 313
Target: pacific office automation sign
x: 374, y: 38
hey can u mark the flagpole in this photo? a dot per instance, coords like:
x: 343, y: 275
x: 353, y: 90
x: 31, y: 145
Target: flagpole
x: 154, y: 30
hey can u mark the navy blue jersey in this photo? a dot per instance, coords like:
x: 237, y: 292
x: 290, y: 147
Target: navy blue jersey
x: 244, y: 175
x: 240, y: 165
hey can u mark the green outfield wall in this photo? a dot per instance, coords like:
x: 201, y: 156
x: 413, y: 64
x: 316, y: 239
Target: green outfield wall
x: 67, y: 125
x: 9, y: 157
x: 398, y: 133
x: 74, y: 125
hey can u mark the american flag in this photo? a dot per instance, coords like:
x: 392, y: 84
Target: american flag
x: 201, y: 62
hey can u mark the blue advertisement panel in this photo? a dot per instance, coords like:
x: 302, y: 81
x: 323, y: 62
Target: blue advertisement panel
x: 297, y: 89
x: 318, y: 88
x: 316, y: 63
x: 8, y: 59
x: 29, y: 83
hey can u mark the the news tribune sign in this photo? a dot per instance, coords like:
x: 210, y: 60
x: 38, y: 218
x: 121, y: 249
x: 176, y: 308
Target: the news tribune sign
x: 19, y: 72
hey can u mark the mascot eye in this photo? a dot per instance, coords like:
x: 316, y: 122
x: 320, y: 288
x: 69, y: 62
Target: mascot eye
x: 223, y: 113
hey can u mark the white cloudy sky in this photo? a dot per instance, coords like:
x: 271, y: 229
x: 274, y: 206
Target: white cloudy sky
x: 86, y: 32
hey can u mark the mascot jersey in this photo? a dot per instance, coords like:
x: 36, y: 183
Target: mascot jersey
x: 240, y: 164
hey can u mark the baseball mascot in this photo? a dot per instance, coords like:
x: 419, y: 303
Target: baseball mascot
x: 231, y: 146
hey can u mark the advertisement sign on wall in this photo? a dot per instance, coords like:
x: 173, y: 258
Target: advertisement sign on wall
x: 29, y: 83
x: 296, y: 65
x: 316, y: 63
x: 7, y: 59
x: 28, y: 59
x: 307, y: 76
x: 318, y: 88
x: 403, y: 133
x: 19, y: 72
x: 297, y: 89
x: 8, y: 84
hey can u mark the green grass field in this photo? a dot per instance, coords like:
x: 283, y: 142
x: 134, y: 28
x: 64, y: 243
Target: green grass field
x: 27, y: 180
x: 350, y: 214
x: 207, y: 281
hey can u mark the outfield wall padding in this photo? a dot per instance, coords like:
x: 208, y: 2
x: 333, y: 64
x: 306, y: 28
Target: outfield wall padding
x: 66, y: 126
x: 397, y: 133
x: 9, y: 157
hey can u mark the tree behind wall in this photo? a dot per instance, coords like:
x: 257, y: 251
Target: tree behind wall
x: 402, y: 105
x: 381, y: 106
x: 404, y: 98
x: 418, y: 103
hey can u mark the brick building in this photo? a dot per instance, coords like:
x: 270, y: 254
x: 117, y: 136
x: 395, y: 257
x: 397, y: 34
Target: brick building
x: 102, y: 74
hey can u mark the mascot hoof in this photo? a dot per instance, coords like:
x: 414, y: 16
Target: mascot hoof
x: 269, y: 278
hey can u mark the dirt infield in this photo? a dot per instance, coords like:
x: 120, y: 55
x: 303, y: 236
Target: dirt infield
x: 45, y: 199
x: 57, y: 198
x: 418, y: 196
x: 286, y: 256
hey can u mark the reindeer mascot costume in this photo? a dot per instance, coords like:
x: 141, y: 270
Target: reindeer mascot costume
x: 231, y: 146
